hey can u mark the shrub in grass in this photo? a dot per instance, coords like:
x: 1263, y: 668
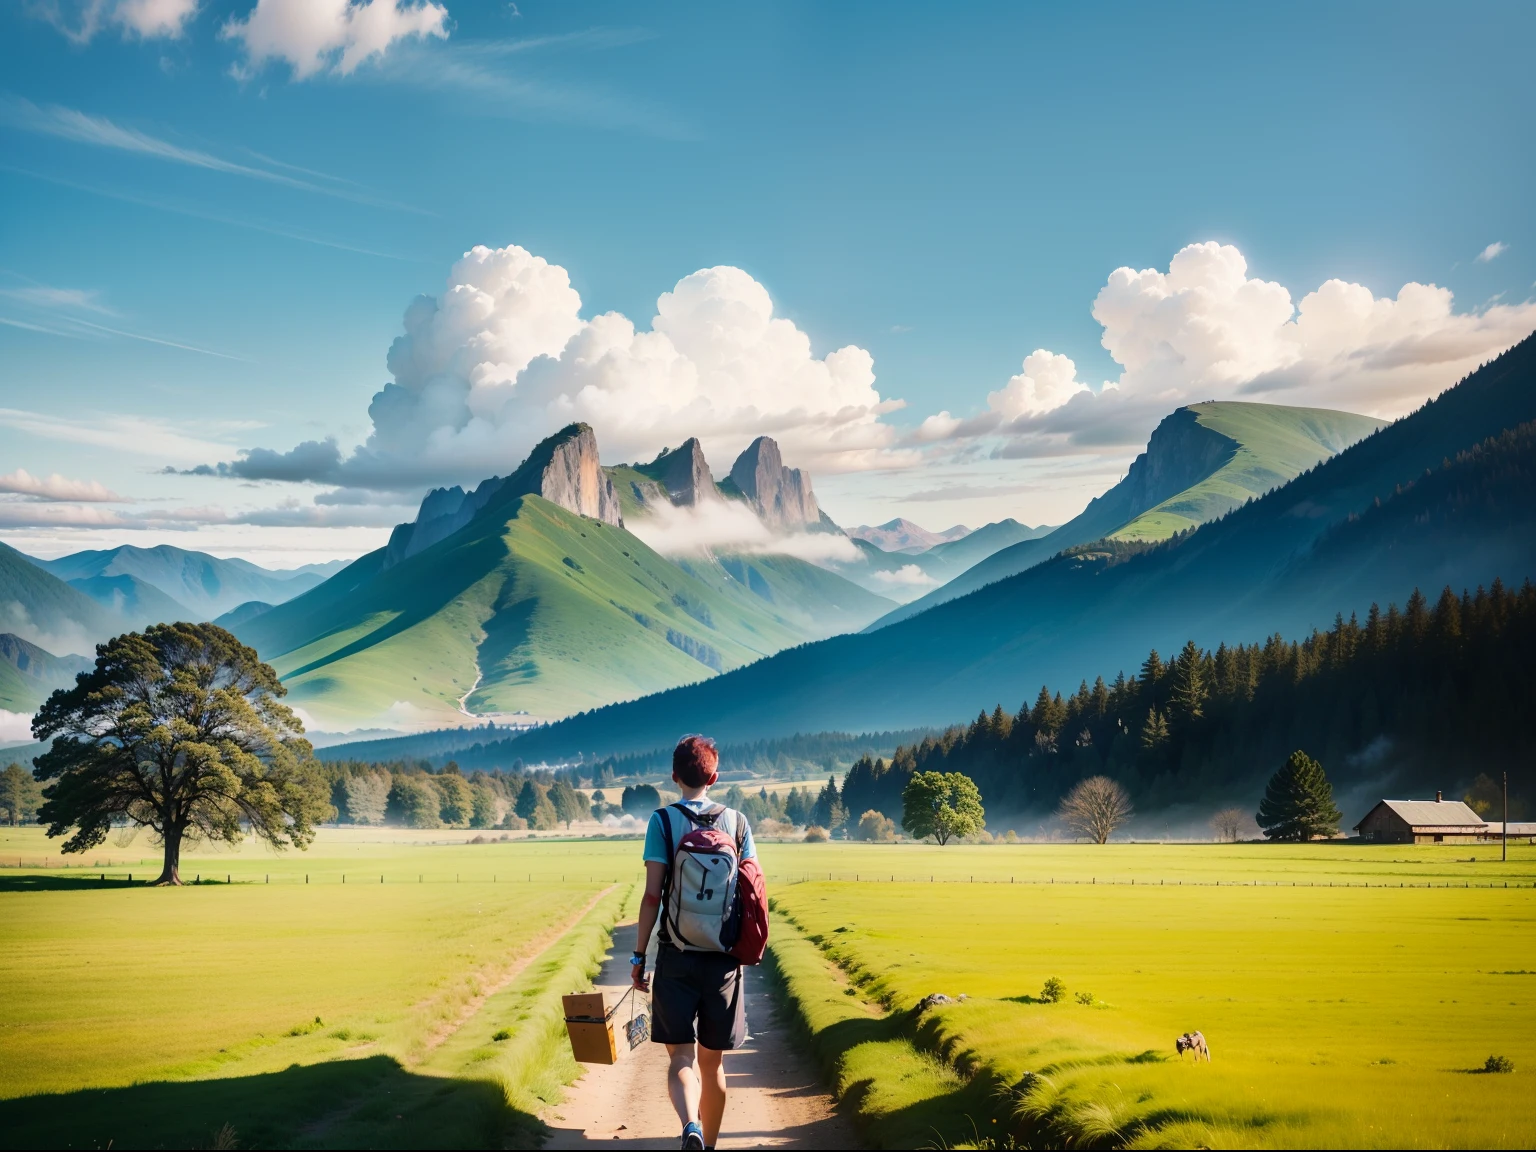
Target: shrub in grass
x: 1085, y: 999
x: 816, y: 834
x: 1498, y: 1064
x: 1053, y: 991
x: 501, y: 1034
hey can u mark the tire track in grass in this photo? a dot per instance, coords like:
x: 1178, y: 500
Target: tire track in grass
x: 468, y: 1010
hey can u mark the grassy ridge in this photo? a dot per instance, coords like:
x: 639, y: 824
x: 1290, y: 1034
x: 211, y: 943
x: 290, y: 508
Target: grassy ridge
x: 1273, y: 445
x: 535, y: 609
x: 1337, y: 1016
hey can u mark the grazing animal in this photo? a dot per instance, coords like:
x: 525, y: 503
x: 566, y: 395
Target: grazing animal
x: 1193, y: 1042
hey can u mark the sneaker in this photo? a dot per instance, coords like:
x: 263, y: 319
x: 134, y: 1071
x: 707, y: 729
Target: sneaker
x: 693, y: 1137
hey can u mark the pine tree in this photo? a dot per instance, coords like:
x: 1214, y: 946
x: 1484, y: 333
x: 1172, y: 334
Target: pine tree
x: 1298, y: 804
x: 1154, y: 733
x: 1152, y: 672
x: 1042, y: 715
x: 1189, y: 684
x: 527, y: 800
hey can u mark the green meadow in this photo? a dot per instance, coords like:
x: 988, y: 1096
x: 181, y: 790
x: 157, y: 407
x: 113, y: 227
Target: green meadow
x: 395, y: 988
x: 338, y: 1012
x: 1350, y: 995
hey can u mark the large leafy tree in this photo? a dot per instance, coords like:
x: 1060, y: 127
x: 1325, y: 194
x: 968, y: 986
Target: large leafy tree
x: 1298, y: 804
x: 942, y: 805
x: 178, y: 729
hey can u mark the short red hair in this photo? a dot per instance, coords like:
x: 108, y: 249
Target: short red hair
x: 694, y: 761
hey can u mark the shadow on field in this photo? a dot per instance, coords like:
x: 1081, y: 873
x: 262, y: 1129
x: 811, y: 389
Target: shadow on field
x: 367, y: 1103
x: 66, y: 883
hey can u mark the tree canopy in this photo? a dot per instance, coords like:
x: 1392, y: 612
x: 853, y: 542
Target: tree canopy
x: 179, y: 729
x: 942, y: 805
x: 1298, y: 804
x: 1095, y: 807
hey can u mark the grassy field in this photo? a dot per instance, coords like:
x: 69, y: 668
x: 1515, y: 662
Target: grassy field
x: 301, y: 1001
x: 312, y: 1014
x: 1337, y: 1016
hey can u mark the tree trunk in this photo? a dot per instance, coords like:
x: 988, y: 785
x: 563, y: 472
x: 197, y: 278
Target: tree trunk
x: 170, y: 873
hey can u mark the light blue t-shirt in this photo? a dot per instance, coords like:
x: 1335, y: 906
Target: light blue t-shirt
x: 656, y: 838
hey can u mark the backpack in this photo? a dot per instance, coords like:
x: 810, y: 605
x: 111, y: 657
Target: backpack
x: 711, y: 899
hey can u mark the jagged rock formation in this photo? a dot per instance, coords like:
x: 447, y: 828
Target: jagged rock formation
x: 685, y: 474
x: 782, y: 496
x: 680, y: 476
x: 564, y: 469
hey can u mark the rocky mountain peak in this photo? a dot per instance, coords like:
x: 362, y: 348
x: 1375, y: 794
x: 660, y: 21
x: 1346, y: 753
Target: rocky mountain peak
x: 684, y: 473
x: 564, y: 469
x: 782, y: 496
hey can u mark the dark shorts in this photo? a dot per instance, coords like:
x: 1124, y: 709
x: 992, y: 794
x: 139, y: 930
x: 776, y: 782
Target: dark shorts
x: 707, y: 987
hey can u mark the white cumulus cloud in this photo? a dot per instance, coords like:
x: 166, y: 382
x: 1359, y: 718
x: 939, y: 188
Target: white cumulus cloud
x: 502, y: 358
x: 314, y: 36
x: 1205, y: 329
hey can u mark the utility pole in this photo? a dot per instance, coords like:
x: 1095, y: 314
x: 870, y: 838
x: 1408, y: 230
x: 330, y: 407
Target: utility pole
x: 1506, y: 815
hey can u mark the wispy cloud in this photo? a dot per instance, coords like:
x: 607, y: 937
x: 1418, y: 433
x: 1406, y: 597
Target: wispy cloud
x: 1492, y: 252
x: 253, y: 225
x: 75, y: 299
x: 138, y: 435
x: 491, y: 71
x: 79, y: 20
x: 58, y: 488
x: 97, y: 131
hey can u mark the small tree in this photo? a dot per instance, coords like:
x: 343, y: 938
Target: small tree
x: 1095, y: 807
x: 456, y: 803
x: 414, y: 801
x: 1298, y: 804
x: 487, y: 812
x: 641, y: 800
x: 568, y: 803
x: 942, y: 805
x: 19, y: 795
x: 178, y: 729
x: 1228, y: 823
x: 367, y: 794
x: 875, y: 826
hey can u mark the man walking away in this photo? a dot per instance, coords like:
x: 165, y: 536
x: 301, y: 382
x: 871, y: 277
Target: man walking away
x: 704, y: 887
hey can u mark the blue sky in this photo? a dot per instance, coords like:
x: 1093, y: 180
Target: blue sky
x: 204, y: 252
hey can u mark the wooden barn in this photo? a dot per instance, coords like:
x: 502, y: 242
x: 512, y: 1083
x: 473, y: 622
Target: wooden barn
x: 1437, y: 821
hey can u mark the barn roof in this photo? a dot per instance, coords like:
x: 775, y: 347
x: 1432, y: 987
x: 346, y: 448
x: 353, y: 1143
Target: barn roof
x: 1433, y: 814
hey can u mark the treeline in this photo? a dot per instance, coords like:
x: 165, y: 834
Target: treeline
x: 1420, y: 698
x: 415, y: 794
x: 785, y: 757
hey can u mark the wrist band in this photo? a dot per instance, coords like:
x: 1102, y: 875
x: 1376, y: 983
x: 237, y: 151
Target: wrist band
x: 637, y: 958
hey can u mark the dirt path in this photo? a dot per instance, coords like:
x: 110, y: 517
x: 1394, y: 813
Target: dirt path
x: 775, y: 1101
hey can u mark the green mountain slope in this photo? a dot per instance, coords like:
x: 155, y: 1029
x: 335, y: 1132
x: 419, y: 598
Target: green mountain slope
x: 37, y: 606
x: 1273, y: 445
x: 29, y: 673
x: 529, y: 608
x: 205, y: 586
x: 1286, y: 562
x: 1201, y: 461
